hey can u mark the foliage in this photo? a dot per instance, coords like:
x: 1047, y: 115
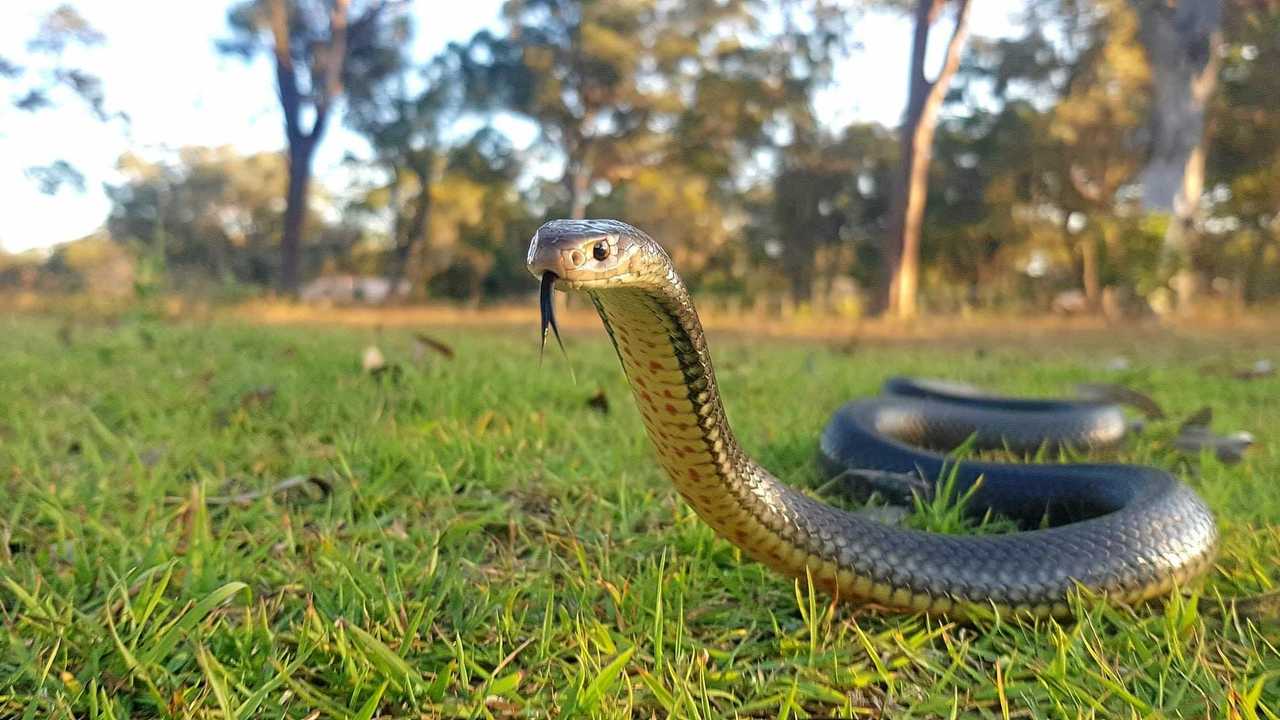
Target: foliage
x: 616, y: 88
x: 211, y: 213
x: 481, y: 229
x: 62, y: 29
x: 1059, y: 152
x: 830, y: 201
x: 695, y: 121
x: 49, y: 76
x: 405, y: 128
x: 1242, y: 243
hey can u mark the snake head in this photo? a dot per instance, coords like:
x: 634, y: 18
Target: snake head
x: 594, y: 254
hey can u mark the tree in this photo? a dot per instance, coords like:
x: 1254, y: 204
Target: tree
x: 1181, y: 41
x: 1242, y: 223
x: 617, y: 88
x: 748, y: 119
x: 1079, y: 84
x: 208, y: 214
x: 404, y: 128
x: 1103, y: 107
x: 830, y: 194
x: 574, y: 67
x: 481, y: 227
x: 320, y: 49
x: 41, y: 85
x: 924, y: 100
x: 985, y: 181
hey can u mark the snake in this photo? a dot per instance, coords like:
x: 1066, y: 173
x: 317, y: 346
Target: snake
x: 1126, y: 533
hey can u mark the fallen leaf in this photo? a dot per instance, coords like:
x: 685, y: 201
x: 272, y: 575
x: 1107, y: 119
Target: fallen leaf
x: 1194, y: 437
x: 425, y: 341
x: 1111, y: 392
x: 393, y: 371
x: 599, y: 402
x: 1260, y: 369
x: 884, y: 514
x: 1118, y: 363
x: 151, y: 456
x: 257, y: 397
x: 397, y: 530
x: 322, y: 486
x: 896, y: 488
x: 1201, y: 418
x: 1230, y: 448
x: 372, y: 360
x: 64, y: 551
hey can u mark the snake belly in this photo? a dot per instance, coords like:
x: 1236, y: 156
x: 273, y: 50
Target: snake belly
x: 1130, y: 532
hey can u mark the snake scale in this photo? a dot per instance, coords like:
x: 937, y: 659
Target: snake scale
x: 1126, y: 532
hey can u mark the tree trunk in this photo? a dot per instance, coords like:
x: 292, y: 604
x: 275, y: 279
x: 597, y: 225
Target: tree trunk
x: 901, y: 248
x: 801, y: 286
x: 1254, y: 271
x: 909, y: 203
x: 1181, y: 42
x: 578, y: 180
x: 295, y: 216
x: 414, y: 233
x: 326, y: 79
x: 1089, y: 272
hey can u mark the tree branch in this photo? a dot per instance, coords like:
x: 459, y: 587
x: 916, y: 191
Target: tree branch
x: 954, y: 47
x: 285, y: 77
x: 338, y: 47
x: 919, y: 85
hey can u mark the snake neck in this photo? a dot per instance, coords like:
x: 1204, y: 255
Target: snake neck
x: 664, y: 354
x: 663, y: 351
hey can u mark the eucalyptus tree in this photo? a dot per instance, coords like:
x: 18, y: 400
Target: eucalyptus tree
x: 576, y: 68
x: 901, y: 254
x: 830, y: 205
x: 1182, y: 41
x: 320, y: 49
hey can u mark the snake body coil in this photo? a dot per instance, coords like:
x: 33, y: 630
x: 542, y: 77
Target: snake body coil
x: 1130, y: 532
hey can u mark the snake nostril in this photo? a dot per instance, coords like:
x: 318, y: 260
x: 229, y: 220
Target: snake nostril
x: 577, y: 258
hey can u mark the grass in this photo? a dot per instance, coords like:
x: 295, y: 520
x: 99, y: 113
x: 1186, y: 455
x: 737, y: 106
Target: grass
x: 493, y: 546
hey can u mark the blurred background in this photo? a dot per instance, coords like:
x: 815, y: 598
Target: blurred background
x: 889, y: 158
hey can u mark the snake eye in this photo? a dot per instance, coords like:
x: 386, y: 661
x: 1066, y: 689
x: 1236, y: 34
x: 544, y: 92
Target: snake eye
x: 600, y: 251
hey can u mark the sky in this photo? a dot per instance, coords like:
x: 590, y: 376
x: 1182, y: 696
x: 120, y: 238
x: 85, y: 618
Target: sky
x: 159, y: 65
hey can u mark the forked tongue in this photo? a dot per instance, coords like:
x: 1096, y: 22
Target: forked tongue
x: 549, y: 317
